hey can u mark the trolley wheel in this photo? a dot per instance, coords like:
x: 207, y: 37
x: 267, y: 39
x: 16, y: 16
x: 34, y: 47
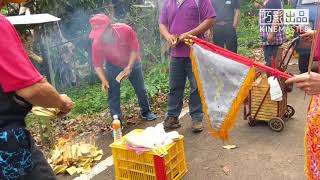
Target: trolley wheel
x: 252, y: 122
x: 276, y: 124
x: 289, y: 112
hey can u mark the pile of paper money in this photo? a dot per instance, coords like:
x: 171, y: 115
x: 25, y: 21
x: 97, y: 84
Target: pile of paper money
x: 74, y: 158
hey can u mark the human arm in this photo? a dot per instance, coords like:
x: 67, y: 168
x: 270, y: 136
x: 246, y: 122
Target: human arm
x: 44, y: 95
x: 310, y: 83
x: 207, y: 14
x: 20, y: 76
x: 164, y: 24
x: 236, y: 18
x: 127, y: 70
x: 201, y: 29
x: 309, y: 35
x: 97, y: 60
x: 102, y: 76
x: 133, y: 43
x: 171, y: 39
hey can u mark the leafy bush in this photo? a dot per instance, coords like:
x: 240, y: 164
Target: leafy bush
x: 248, y: 32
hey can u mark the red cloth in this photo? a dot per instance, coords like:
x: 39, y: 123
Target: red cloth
x: 119, y: 53
x: 240, y: 59
x: 16, y: 69
x: 160, y: 167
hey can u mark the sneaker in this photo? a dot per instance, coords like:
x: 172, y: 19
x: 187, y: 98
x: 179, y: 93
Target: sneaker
x: 150, y: 116
x: 171, y: 123
x: 197, y: 126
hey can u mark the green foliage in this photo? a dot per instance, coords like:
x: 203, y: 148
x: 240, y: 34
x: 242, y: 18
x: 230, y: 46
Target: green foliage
x: 4, y: 11
x: 247, y: 7
x: 244, y: 51
x: 289, y: 32
x: 286, y: 6
x: 248, y: 32
x: 157, y: 80
x: 88, y: 99
x: 145, y: 23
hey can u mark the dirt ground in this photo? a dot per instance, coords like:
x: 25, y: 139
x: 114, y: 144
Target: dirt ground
x: 261, y: 154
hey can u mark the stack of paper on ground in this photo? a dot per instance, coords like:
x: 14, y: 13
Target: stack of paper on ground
x: 74, y: 157
x: 152, y: 138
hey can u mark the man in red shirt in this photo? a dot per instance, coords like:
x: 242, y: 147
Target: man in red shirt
x: 21, y: 87
x: 117, y: 46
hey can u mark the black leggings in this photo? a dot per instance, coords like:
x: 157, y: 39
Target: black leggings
x: 41, y: 169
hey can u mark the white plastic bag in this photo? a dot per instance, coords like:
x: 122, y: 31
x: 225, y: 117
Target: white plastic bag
x: 275, y: 89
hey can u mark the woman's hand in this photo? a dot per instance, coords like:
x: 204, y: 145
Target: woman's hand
x: 308, y: 36
x: 271, y: 37
x: 310, y: 83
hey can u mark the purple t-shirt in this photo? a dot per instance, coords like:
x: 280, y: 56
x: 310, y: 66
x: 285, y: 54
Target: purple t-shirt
x: 182, y: 19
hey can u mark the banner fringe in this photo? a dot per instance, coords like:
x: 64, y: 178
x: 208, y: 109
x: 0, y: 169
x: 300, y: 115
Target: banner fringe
x: 229, y: 121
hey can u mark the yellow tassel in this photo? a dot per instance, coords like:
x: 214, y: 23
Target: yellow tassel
x: 197, y: 77
x: 229, y: 121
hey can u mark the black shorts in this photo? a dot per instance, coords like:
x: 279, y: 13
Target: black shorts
x: 20, y: 158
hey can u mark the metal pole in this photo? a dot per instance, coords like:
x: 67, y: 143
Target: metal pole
x: 51, y: 72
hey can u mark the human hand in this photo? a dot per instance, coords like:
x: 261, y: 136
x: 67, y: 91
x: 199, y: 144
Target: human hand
x: 308, y: 36
x: 171, y: 39
x: 104, y: 87
x: 310, y: 83
x: 234, y: 26
x: 67, y: 105
x: 208, y: 35
x: 126, y: 72
x: 183, y: 36
x: 270, y: 37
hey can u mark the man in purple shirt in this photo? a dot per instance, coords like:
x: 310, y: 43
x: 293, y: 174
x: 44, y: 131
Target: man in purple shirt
x: 178, y: 19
